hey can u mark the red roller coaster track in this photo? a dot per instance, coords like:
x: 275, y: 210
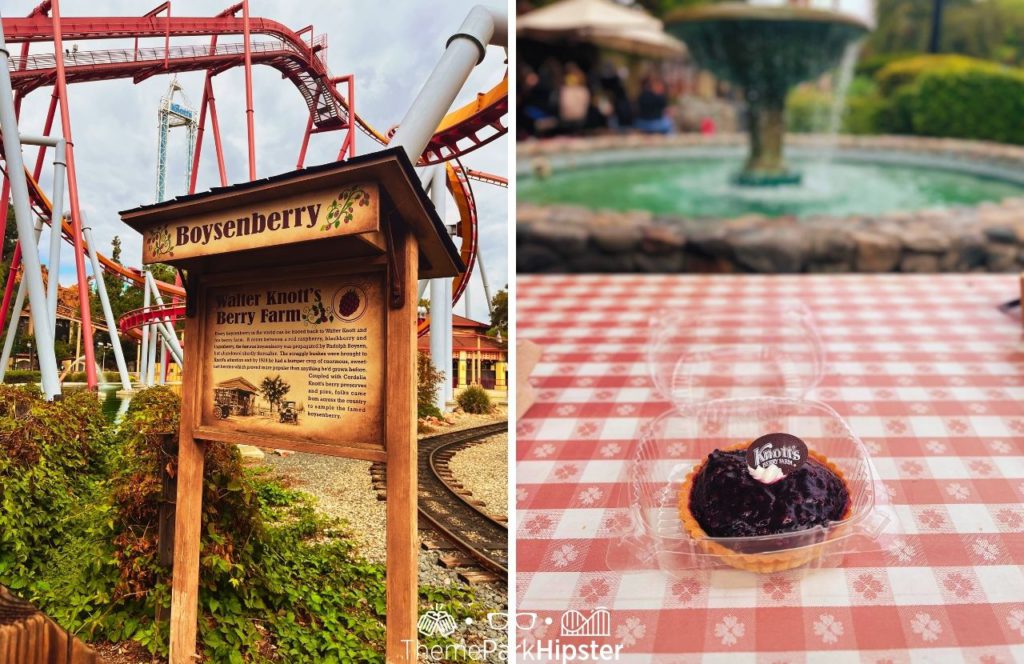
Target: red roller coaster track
x: 299, y: 60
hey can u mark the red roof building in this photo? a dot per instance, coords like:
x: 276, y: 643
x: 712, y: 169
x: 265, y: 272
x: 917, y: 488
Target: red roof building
x: 477, y: 359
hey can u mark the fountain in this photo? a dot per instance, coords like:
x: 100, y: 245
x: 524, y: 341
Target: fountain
x: 766, y: 50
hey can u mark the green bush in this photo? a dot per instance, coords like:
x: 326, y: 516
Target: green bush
x: 906, y: 71
x: 950, y: 96
x: 428, y: 381
x: 106, y: 377
x: 863, y: 106
x: 474, y: 399
x: 983, y: 104
x: 872, y: 64
x: 13, y: 376
x: 808, y: 110
x: 79, y: 508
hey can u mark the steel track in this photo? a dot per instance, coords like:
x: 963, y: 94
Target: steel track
x: 479, y: 535
x: 448, y: 517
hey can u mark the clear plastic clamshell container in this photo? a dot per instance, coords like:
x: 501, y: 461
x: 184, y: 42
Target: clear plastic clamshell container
x: 731, y: 377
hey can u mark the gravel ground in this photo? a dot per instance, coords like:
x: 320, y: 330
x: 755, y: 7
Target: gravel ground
x: 483, y: 470
x: 126, y: 652
x: 343, y: 490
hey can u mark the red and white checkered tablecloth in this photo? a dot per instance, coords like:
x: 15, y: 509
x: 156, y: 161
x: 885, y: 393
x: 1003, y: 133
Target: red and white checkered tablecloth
x: 926, y: 371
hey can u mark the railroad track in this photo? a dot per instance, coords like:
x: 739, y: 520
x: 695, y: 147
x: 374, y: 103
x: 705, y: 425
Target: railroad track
x: 469, y: 540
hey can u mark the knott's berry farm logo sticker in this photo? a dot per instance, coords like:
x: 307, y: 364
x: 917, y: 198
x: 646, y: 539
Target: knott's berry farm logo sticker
x: 342, y: 209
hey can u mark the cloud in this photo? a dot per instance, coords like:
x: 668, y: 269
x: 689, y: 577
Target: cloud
x: 390, y: 46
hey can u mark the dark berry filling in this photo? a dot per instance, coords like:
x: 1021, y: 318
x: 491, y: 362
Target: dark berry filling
x: 727, y: 502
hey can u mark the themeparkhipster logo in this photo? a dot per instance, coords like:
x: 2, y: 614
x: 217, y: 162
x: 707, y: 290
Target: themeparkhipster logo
x: 578, y: 639
x: 438, y: 623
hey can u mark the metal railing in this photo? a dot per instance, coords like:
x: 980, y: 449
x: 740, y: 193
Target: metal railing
x: 127, y: 55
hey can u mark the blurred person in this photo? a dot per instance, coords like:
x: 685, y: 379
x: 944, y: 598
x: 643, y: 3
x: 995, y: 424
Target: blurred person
x: 610, y: 80
x: 573, y: 100
x: 652, y: 108
x: 535, y: 111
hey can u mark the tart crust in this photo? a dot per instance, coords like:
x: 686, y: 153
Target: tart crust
x: 763, y: 562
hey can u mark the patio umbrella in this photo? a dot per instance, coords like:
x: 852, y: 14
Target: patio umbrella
x: 581, y: 18
x: 639, y: 41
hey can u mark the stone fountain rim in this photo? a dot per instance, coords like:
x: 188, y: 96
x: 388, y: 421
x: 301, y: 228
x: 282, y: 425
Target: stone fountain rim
x: 739, y: 11
x: 980, y: 158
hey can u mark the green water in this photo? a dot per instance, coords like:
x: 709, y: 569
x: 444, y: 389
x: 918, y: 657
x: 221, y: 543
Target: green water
x: 112, y: 405
x: 701, y: 187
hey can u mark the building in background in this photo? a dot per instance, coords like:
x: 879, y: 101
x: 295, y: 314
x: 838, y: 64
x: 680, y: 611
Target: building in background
x: 477, y: 358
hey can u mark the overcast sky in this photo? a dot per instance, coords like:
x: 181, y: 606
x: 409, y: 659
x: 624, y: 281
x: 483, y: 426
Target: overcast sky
x: 390, y: 45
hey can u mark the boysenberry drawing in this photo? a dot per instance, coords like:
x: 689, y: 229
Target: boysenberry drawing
x: 349, y: 303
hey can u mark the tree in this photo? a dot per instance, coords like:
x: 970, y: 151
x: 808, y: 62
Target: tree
x: 428, y: 381
x: 499, y: 314
x: 273, y: 390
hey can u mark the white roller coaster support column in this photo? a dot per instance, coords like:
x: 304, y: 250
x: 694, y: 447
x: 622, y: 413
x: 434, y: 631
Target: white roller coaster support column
x: 19, y: 305
x: 144, y: 351
x: 163, y: 361
x: 23, y: 216
x: 440, y: 300
x: 164, y: 324
x: 151, y: 362
x: 483, y: 278
x: 465, y: 49
x: 59, y: 146
x: 108, y: 313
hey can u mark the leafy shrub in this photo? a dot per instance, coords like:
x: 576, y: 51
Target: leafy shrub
x: 984, y: 104
x: 51, y: 456
x: 808, y: 110
x: 106, y: 376
x: 869, y: 66
x: 863, y: 106
x: 14, y: 376
x: 428, y: 382
x: 906, y: 71
x: 79, y: 508
x: 951, y: 96
x: 474, y: 399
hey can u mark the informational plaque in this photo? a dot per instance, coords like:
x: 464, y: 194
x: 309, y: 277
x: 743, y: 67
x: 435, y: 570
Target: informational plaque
x: 297, y: 359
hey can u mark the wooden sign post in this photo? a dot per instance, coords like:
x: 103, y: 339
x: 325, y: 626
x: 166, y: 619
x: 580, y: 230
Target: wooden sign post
x: 300, y: 334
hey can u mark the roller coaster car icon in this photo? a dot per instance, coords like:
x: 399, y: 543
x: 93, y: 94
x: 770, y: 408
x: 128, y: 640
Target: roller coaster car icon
x: 289, y: 414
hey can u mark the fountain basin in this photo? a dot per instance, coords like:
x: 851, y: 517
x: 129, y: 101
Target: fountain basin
x: 766, y: 50
x: 969, y: 214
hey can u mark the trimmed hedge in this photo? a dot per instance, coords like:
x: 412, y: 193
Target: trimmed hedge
x: 983, y: 104
x: 950, y: 96
x: 907, y: 71
x: 14, y: 376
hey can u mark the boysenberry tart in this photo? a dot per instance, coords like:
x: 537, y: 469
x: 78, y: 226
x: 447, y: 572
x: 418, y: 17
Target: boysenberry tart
x: 732, y: 508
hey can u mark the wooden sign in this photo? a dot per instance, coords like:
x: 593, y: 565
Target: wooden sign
x: 300, y: 333
x: 345, y: 210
